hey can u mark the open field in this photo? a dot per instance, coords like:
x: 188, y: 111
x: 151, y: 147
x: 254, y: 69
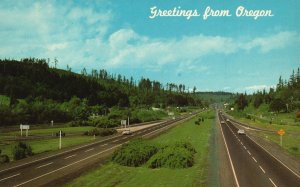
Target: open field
x: 112, y: 174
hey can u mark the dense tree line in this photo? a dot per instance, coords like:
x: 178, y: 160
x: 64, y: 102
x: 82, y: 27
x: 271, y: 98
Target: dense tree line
x: 39, y: 93
x: 284, y: 98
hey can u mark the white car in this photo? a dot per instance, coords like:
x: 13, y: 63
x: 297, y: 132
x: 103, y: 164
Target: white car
x: 126, y: 132
x: 241, y: 131
x: 222, y: 122
x: 227, y: 120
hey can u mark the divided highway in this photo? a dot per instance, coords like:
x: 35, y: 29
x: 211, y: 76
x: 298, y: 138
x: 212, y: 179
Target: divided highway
x: 252, y: 165
x: 57, y: 169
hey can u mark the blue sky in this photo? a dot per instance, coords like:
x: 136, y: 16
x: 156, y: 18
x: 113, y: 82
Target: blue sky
x: 217, y: 54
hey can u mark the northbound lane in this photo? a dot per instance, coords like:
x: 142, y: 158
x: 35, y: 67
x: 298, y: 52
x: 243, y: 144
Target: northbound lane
x: 252, y: 165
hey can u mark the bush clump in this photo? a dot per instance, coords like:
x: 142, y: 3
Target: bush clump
x: 100, y: 132
x: 178, y: 155
x: 21, y: 150
x: 3, y: 158
x: 135, y: 153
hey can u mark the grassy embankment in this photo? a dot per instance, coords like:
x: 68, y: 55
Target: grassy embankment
x: 112, y: 174
x: 261, y: 118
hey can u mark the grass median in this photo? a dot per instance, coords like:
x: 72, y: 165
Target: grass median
x: 112, y: 174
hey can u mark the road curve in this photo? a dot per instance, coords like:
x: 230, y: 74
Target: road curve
x: 252, y: 165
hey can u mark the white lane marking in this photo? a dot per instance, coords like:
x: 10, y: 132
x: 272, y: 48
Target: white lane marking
x: 89, y: 150
x: 70, y: 156
x: 115, y: 140
x: 44, y: 165
x: 242, y: 143
x: 249, y: 152
x: 296, y: 174
x: 80, y: 147
x: 104, y: 145
x: 10, y: 177
x: 254, y: 159
x: 232, y: 167
x: 67, y: 165
x: 245, y: 147
x: 262, y: 169
x: 272, y: 182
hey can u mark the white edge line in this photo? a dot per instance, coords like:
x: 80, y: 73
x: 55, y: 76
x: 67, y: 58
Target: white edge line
x: 272, y: 182
x: 275, y: 158
x: 67, y: 165
x: 232, y: 167
x: 44, y: 165
x: 254, y: 159
x: 10, y: 177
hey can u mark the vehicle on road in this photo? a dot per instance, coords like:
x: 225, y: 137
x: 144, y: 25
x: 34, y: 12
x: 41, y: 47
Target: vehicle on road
x: 126, y: 132
x: 222, y: 122
x: 227, y: 120
x: 241, y: 131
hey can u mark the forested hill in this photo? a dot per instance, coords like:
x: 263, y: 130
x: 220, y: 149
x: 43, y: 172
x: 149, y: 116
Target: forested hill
x: 216, y: 97
x: 33, y: 92
x: 33, y: 78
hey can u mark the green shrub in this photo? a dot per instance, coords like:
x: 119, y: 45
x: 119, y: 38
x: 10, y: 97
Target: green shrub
x: 100, y: 132
x: 21, y: 150
x: 4, y: 159
x: 107, y: 132
x: 179, y: 155
x: 135, y: 153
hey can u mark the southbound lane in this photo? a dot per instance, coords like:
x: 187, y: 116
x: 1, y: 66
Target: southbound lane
x: 46, y: 171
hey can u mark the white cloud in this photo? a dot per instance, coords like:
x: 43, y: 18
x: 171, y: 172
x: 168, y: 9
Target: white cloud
x: 254, y: 88
x: 276, y: 41
x: 80, y: 37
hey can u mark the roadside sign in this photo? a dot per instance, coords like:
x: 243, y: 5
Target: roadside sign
x: 281, y: 132
x: 25, y: 127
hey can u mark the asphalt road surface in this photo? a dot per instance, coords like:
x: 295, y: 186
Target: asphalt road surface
x: 251, y: 164
x: 59, y: 168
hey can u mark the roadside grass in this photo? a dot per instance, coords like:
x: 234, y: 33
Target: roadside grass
x: 49, y: 131
x: 112, y: 174
x: 46, y: 145
x: 290, y: 142
x: 291, y: 138
x: 4, y: 100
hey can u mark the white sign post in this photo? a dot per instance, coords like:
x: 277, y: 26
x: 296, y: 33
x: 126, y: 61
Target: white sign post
x: 123, y: 122
x: 59, y: 139
x: 25, y: 127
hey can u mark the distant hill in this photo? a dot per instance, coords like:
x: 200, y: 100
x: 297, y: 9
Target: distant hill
x: 216, y: 97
